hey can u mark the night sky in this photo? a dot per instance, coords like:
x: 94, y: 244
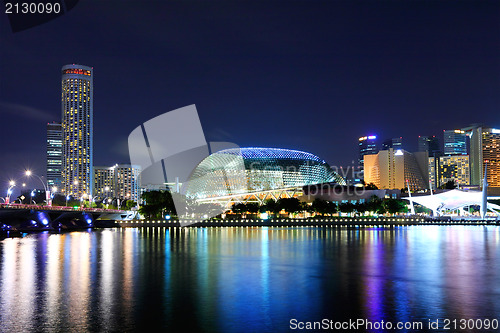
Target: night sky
x: 307, y: 75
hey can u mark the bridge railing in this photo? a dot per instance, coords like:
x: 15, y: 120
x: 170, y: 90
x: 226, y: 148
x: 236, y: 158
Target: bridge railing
x: 58, y: 208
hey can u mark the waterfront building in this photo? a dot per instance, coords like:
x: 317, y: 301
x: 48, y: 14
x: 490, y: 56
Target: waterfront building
x: 485, y: 151
x: 77, y: 127
x: 127, y: 182
x: 104, y: 182
x: 257, y: 174
x: 54, y: 154
x: 395, y: 143
x: 367, y: 145
x: 455, y: 142
x: 121, y: 181
x: 392, y: 169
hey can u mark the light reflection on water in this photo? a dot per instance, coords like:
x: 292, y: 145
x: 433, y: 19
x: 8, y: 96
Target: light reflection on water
x: 246, y: 279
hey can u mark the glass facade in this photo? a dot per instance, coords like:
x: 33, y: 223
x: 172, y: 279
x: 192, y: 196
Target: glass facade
x: 367, y: 146
x: 54, y: 154
x: 246, y: 170
x: 455, y: 142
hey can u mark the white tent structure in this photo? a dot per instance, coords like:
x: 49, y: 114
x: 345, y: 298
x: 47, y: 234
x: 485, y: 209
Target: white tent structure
x: 457, y: 200
x: 454, y: 200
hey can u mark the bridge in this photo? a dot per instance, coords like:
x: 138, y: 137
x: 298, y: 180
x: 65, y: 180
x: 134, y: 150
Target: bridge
x: 22, y: 217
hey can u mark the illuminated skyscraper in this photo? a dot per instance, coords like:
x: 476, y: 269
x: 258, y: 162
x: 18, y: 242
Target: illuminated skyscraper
x: 485, y: 151
x: 454, y: 142
x: 54, y: 154
x: 77, y: 127
x: 367, y: 145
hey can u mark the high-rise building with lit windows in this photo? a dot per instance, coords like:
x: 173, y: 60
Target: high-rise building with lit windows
x: 454, y: 142
x: 77, y: 127
x: 127, y: 182
x: 54, y: 154
x: 397, y: 169
x: 367, y: 145
x: 104, y: 182
x: 121, y: 181
x: 485, y: 152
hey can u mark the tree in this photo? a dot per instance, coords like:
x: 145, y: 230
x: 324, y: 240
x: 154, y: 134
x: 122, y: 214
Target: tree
x: 252, y: 207
x: 156, y: 204
x: 270, y: 206
x: 323, y: 207
x: 371, y: 186
x: 129, y: 204
x: 290, y: 205
x: 375, y: 205
x: 449, y: 185
x: 394, y: 206
x: 346, y: 207
x: 239, y: 208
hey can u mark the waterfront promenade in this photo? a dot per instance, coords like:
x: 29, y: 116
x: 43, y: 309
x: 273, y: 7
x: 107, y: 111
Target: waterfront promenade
x: 310, y: 222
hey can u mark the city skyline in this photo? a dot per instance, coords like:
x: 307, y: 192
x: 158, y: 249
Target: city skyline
x: 397, y: 70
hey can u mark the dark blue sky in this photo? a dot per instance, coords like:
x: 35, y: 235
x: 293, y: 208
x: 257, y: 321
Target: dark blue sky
x: 308, y: 75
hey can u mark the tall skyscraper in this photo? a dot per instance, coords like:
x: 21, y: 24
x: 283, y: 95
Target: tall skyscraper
x: 485, y: 150
x: 455, y: 142
x: 429, y: 144
x: 395, y: 143
x: 54, y: 155
x: 77, y: 127
x: 367, y: 145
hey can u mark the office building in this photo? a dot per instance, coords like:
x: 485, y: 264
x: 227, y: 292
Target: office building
x: 430, y: 144
x: 121, y: 181
x: 104, y: 182
x: 454, y: 168
x: 454, y: 142
x: 391, y: 169
x: 54, y: 155
x: 433, y: 171
x: 127, y: 182
x: 367, y: 146
x: 77, y: 127
x: 485, y: 150
x: 395, y: 143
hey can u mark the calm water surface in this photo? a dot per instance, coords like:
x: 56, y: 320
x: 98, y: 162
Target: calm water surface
x: 246, y: 279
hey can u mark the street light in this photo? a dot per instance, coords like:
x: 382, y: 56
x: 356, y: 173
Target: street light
x: 47, y: 192
x: 67, y: 198
x: 107, y: 200
x: 9, y: 191
x: 54, y: 190
x: 82, y: 198
x: 92, y: 201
